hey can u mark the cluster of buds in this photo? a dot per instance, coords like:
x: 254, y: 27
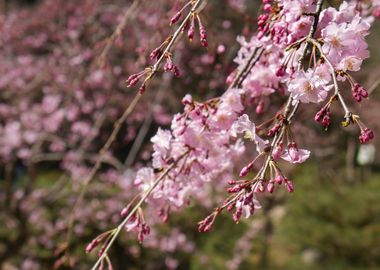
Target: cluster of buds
x: 264, y: 19
x: 206, y: 224
x: 366, y: 135
x: 95, y: 243
x: 136, y: 222
x: 157, y: 52
x: 134, y: 79
x: 169, y: 66
x: 262, y: 23
x: 163, y: 49
x: 359, y: 92
x: 323, y: 116
x: 243, y: 199
x: 281, y: 121
x: 190, y: 27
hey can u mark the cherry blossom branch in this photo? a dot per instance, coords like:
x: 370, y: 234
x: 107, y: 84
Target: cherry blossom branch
x: 247, y: 188
x: 238, y: 79
x: 168, y: 44
x: 287, y: 114
x: 337, y: 93
x: 196, y: 6
x: 115, y: 233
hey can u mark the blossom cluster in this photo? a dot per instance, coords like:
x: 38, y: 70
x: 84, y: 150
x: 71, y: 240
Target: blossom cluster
x: 301, y: 51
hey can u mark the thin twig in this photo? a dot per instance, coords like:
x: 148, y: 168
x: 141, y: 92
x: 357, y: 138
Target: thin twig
x: 130, y: 13
x: 134, y: 210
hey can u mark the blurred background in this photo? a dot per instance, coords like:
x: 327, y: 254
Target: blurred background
x: 62, y: 88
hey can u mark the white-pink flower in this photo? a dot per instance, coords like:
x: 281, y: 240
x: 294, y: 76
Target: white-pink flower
x: 248, y: 209
x: 294, y: 154
x: 145, y: 178
x: 245, y: 126
x: 308, y: 88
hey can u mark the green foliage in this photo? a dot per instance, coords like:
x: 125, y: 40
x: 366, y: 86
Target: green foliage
x: 335, y: 224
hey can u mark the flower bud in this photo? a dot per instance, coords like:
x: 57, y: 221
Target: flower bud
x: 277, y: 151
x: 279, y: 179
x: 289, y: 185
x: 270, y: 187
x: 175, y: 18
x: 366, y: 135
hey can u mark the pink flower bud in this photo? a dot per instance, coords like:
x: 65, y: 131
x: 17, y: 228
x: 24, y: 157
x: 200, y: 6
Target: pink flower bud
x: 281, y: 71
x: 204, y: 43
x: 187, y: 100
x: 359, y: 92
x: 231, y: 182
x: 89, y: 247
x: 279, y: 179
x: 326, y: 120
x: 277, y: 151
x: 156, y: 53
x: 259, y: 187
x: 142, y: 88
x: 376, y: 13
x: 133, y: 79
x: 237, y: 215
x: 270, y: 187
x: 236, y: 188
x: 191, y: 31
x: 203, y: 35
x: 289, y: 185
x: 231, y: 207
x: 366, y: 135
x: 260, y: 107
x: 202, y: 32
x: 175, y: 18
x: 230, y: 78
x: 268, y: 7
x: 94, y: 243
x: 176, y: 71
x: 274, y: 130
x: 125, y: 211
x: 319, y: 115
x: 206, y: 224
x: 246, y: 170
x: 168, y: 65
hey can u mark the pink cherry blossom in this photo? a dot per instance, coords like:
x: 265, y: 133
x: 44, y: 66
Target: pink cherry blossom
x: 248, y: 129
x: 294, y: 154
x: 307, y: 88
